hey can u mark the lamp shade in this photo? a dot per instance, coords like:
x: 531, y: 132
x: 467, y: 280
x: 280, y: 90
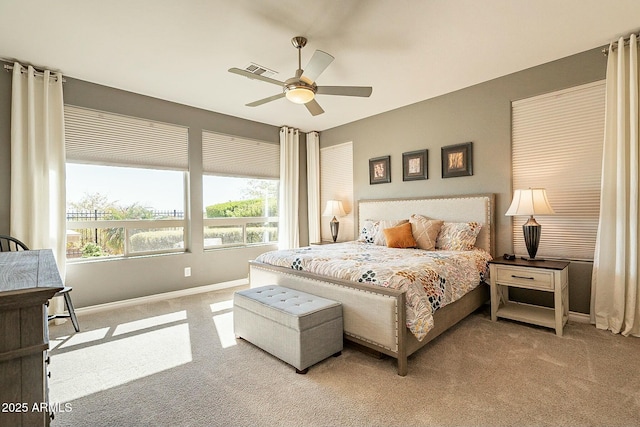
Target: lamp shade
x: 532, y: 201
x: 334, y: 208
x: 299, y: 95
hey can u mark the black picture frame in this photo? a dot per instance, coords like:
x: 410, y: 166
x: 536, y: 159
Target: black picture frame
x: 415, y: 165
x: 457, y: 160
x: 380, y: 170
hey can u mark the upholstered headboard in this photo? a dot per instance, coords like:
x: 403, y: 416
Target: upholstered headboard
x: 477, y: 208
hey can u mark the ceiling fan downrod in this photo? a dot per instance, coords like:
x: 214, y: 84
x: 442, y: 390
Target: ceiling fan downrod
x: 299, y: 42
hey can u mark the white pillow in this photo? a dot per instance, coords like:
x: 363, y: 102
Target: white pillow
x: 458, y: 236
x: 386, y: 223
x: 368, y: 231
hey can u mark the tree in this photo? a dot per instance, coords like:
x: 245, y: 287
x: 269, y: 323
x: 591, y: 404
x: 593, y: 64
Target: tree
x: 112, y: 238
x: 85, y: 208
x: 115, y: 236
x: 242, y: 208
x: 259, y: 188
x: 91, y: 202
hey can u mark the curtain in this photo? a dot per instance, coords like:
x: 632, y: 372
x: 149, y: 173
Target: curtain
x: 38, y: 199
x: 288, y: 228
x: 615, y: 297
x: 313, y: 185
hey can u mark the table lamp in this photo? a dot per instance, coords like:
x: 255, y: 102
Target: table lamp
x: 334, y: 208
x: 532, y: 201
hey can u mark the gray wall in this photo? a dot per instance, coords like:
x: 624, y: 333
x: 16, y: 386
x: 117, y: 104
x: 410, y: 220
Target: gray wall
x: 97, y: 282
x: 481, y: 114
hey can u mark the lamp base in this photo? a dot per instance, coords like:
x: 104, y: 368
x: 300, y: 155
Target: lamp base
x: 531, y: 230
x: 524, y: 258
x: 335, y: 225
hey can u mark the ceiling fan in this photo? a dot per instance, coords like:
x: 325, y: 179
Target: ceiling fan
x: 302, y: 88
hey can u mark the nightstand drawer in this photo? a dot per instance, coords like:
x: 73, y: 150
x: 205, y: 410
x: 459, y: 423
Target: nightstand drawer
x: 530, y: 278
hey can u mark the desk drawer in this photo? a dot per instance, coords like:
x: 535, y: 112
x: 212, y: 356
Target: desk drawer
x: 530, y: 278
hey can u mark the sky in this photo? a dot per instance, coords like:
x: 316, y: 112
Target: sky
x: 154, y: 189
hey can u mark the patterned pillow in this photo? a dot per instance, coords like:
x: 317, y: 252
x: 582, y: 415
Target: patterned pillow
x: 425, y: 231
x: 458, y: 236
x: 400, y: 236
x: 368, y: 231
x: 386, y: 223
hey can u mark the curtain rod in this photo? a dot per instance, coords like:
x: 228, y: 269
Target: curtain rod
x: 614, y: 45
x: 38, y: 73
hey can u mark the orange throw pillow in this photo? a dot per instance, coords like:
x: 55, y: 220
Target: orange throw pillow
x: 400, y: 236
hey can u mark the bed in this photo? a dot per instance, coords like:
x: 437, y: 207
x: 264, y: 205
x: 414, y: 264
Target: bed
x: 387, y: 316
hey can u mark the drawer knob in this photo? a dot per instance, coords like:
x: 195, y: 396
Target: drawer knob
x: 522, y: 277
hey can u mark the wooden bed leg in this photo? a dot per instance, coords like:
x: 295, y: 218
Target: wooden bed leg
x: 403, y: 333
x: 402, y: 366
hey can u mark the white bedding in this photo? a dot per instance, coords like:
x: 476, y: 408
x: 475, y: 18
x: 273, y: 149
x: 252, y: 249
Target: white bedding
x: 431, y: 279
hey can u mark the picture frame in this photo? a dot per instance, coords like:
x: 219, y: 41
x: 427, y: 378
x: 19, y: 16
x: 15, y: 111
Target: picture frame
x: 415, y: 165
x: 457, y: 160
x: 380, y: 170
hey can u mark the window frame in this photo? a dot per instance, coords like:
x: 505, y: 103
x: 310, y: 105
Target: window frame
x: 164, y: 146
x: 221, y: 156
x: 549, y: 133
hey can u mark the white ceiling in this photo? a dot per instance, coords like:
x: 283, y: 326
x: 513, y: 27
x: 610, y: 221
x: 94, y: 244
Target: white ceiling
x: 408, y: 50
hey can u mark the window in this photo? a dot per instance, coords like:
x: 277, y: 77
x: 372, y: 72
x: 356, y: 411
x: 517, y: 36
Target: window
x: 557, y: 144
x: 125, y: 185
x: 240, y: 191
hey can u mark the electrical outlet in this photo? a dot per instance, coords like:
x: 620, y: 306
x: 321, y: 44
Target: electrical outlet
x: 187, y: 271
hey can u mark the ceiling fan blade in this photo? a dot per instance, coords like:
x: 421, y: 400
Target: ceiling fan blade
x: 318, y: 63
x: 265, y: 100
x: 314, y: 108
x: 363, y: 91
x: 255, y: 76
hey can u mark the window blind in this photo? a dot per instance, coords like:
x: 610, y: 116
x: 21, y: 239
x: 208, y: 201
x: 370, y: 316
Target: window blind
x: 557, y: 145
x: 99, y: 137
x: 336, y: 183
x: 228, y: 155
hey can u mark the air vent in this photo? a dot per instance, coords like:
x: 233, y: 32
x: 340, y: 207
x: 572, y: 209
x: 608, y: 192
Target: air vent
x: 260, y: 70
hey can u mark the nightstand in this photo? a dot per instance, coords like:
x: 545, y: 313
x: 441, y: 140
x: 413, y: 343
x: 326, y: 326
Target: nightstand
x: 548, y: 276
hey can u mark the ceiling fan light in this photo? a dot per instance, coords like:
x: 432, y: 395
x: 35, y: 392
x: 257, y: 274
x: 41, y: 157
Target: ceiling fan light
x: 299, y: 95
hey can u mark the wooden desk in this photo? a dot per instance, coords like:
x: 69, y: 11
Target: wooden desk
x: 28, y: 279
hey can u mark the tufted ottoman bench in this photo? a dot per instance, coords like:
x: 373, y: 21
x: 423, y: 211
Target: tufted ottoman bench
x: 297, y: 327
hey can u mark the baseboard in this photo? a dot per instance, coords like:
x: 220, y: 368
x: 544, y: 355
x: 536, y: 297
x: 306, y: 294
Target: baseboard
x: 160, y: 297
x: 573, y: 316
x: 579, y: 317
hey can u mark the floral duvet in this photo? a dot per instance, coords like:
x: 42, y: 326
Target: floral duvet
x: 431, y: 279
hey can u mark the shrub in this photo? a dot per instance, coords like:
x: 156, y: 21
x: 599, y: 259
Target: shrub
x: 254, y: 234
x: 156, y: 240
x: 242, y: 208
x: 147, y: 241
x: 91, y: 250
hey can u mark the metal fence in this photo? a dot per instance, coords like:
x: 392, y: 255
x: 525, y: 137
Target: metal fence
x: 116, y: 236
x: 96, y: 215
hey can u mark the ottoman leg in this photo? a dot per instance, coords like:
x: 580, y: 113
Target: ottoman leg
x: 302, y: 372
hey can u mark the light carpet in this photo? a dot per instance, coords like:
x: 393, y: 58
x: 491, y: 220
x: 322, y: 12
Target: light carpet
x: 176, y: 363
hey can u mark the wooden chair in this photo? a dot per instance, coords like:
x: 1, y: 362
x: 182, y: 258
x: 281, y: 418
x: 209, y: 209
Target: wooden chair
x: 11, y: 244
